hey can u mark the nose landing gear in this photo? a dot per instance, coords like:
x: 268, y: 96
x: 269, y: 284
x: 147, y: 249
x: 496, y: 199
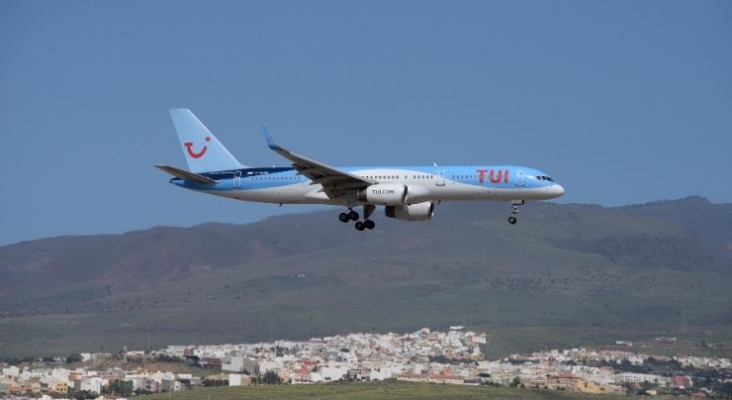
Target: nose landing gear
x: 514, y: 211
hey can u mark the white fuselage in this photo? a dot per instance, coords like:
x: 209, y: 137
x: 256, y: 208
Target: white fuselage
x: 459, y: 183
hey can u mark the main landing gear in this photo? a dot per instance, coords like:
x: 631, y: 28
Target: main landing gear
x: 353, y: 216
x: 514, y: 211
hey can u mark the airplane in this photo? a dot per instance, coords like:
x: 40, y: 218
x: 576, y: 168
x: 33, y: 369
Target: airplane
x: 409, y: 193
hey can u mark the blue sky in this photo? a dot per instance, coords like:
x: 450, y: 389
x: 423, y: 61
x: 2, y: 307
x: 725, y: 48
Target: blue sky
x: 622, y: 102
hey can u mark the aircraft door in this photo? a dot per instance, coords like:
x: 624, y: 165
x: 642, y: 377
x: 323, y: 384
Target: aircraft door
x: 237, y: 179
x: 520, y: 177
x: 440, y: 177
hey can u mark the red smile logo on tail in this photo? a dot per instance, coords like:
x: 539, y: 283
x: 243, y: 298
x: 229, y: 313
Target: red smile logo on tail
x: 189, y: 149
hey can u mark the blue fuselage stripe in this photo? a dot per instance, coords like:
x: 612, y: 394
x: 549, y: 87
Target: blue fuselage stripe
x: 491, y: 176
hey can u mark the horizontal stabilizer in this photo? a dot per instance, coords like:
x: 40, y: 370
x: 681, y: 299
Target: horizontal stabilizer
x: 186, y: 175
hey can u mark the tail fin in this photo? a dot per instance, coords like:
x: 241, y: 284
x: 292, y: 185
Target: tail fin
x: 203, y: 152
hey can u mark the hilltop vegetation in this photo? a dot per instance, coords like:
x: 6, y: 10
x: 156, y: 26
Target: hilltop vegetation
x: 565, y: 275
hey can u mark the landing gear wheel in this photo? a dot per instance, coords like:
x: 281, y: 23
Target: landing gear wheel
x: 369, y: 224
x: 514, y: 211
x: 353, y: 215
x: 360, y: 226
x: 343, y: 217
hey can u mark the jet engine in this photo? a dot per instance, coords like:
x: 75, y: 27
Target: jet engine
x: 413, y: 212
x: 388, y: 194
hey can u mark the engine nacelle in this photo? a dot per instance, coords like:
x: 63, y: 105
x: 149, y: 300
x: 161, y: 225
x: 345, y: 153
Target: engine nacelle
x: 388, y: 194
x: 413, y: 212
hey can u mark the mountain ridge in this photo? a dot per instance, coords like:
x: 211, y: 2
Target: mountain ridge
x: 578, y: 267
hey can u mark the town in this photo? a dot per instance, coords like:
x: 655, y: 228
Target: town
x: 452, y: 357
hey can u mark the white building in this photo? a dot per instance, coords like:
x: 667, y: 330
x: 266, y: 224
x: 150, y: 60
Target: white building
x: 138, y: 381
x: 239, y: 380
x: 633, y: 377
x: 386, y: 372
x: 333, y: 373
x: 239, y: 364
x: 12, y: 372
x: 270, y: 365
x: 92, y: 384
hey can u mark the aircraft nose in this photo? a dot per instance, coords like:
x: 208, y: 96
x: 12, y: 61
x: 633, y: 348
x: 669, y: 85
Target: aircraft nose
x: 556, y: 190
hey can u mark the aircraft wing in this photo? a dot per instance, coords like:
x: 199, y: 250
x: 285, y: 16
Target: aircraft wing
x: 336, y: 183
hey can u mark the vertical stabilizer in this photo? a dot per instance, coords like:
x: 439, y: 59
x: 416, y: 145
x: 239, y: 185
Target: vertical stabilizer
x: 203, y: 152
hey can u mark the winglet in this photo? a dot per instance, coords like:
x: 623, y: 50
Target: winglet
x: 316, y: 171
x: 270, y: 140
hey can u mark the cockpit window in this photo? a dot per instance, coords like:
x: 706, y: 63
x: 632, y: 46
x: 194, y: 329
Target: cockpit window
x: 545, y: 178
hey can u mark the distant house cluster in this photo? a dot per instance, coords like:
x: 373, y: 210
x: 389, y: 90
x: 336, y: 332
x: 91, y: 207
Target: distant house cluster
x: 452, y: 357
x: 358, y: 356
x: 58, y: 382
